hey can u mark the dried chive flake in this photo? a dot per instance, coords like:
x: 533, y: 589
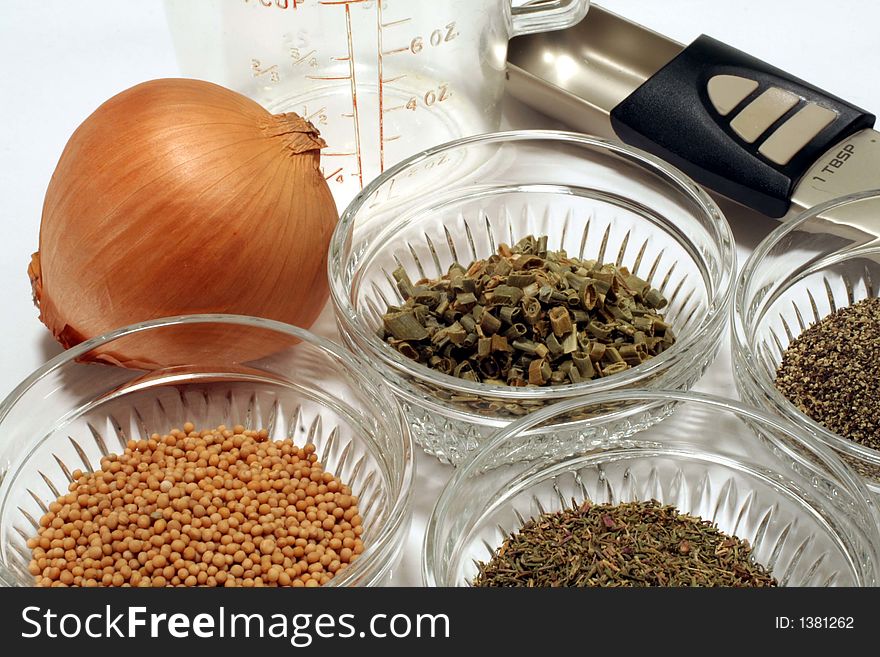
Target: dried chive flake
x: 527, y: 316
x: 628, y: 545
x: 831, y: 372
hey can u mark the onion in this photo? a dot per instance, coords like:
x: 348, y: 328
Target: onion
x: 179, y: 197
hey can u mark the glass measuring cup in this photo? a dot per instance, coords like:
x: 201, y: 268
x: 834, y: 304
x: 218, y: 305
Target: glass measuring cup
x: 381, y: 79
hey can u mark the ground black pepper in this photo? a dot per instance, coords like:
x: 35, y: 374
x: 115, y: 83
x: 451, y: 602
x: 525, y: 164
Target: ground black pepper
x: 832, y: 372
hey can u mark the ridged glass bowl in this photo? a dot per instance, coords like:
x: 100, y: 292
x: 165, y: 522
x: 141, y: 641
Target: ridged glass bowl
x: 224, y: 370
x: 827, y: 258
x: 593, y: 198
x: 810, y: 520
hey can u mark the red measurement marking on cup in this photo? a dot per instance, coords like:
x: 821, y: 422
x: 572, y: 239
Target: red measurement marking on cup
x: 397, y: 22
x: 381, y: 26
x: 259, y: 71
x: 320, y: 115
x: 278, y: 4
x: 338, y: 171
x: 299, y: 59
x: 351, y: 75
x: 379, y: 29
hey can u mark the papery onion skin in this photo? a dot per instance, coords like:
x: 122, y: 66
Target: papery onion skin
x: 180, y: 197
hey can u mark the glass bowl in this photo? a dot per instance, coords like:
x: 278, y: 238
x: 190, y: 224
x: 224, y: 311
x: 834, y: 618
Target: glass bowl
x: 825, y: 259
x: 73, y: 411
x: 810, y: 520
x: 596, y: 199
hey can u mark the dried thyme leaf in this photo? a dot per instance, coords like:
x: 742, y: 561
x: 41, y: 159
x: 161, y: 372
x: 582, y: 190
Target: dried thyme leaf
x: 631, y: 544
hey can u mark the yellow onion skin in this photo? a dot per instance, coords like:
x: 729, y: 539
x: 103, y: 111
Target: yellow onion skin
x: 178, y: 197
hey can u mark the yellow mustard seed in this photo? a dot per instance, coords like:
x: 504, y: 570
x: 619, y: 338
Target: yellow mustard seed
x: 211, y: 507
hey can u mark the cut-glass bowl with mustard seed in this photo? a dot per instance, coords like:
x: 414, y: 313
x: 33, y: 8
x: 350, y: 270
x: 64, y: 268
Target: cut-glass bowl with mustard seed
x: 808, y: 518
x: 224, y: 509
x: 824, y: 264
x: 488, y: 277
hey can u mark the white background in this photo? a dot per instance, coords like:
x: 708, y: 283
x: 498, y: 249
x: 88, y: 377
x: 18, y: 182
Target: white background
x: 59, y: 59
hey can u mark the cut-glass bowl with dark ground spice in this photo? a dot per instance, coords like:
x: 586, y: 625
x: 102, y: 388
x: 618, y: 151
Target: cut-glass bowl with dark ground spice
x: 806, y: 313
x: 807, y: 517
x: 608, y: 204
x: 73, y: 412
